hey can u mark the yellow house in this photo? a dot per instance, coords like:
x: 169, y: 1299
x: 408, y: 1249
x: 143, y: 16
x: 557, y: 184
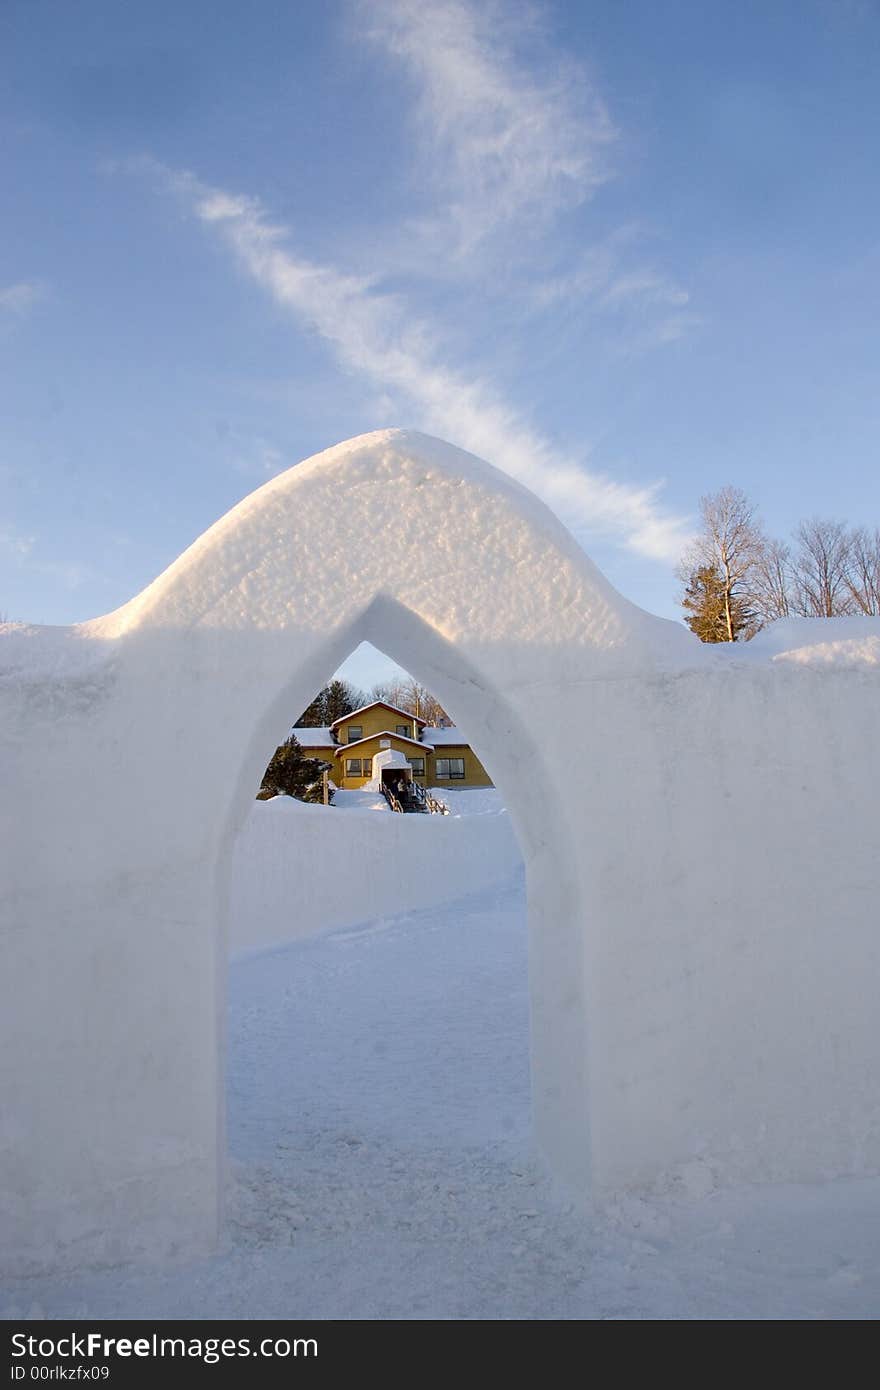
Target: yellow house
x: 381, y: 742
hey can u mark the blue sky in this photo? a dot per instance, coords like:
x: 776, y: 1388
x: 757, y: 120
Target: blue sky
x: 627, y: 250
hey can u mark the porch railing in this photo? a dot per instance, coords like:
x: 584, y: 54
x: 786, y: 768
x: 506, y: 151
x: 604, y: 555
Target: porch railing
x: 390, y: 798
x: 423, y: 799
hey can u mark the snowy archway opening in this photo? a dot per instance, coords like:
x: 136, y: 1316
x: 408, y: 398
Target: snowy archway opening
x: 507, y: 747
x: 378, y: 1007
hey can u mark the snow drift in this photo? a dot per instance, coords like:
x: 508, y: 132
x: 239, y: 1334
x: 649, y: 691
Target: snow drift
x: 301, y: 869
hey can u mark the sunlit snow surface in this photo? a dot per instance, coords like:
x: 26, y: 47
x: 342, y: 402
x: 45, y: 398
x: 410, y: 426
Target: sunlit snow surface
x: 380, y: 1167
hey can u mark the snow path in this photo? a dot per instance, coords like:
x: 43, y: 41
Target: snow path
x: 378, y: 1111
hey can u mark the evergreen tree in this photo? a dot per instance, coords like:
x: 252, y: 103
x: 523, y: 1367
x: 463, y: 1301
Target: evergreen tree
x: 341, y: 700
x: 315, y: 717
x: 706, y: 608
x: 335, y: 701
x: 291, y: 773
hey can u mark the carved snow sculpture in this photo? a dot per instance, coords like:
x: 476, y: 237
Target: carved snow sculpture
x: 699, y: 828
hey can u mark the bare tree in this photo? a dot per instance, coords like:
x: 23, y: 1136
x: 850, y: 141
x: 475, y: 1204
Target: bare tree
x: 770, y: 581
x: 391, y: 691
x: 409, y: 694
x: 821, y: 569
x: 729, y: 542
x: 736, y: 578
x: 863, y: 579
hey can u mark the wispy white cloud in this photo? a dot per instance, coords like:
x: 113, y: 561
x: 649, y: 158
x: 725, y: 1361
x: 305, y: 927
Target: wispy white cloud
x: 590, y: 275
x: 508, y: 131
x: 644, y: 286
x: 22, y: 550
x: 648, y: 308
x: 21, y: 297
x: 661, y: 331
x: 512, y: 136
x: 15, y: 543
x: 374, y: 334
x: 656, y: 309
x: 258, y: 458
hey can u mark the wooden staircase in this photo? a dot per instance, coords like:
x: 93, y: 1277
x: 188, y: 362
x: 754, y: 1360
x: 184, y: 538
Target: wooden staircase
x: 418, y: 802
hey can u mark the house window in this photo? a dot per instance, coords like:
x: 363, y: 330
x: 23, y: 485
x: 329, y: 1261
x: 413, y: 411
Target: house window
x: 352, y: 767
x: 384, y: 742
x: 452, y: 768
x: 403, y: 730
x: 368, y: 767
x: 355, y: 732
x: 418, y: 766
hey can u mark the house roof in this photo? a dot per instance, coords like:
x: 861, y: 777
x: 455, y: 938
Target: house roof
x: 385, y: 733
x: 313, y: 738
x: 433, y: 738
x: 384, y: 704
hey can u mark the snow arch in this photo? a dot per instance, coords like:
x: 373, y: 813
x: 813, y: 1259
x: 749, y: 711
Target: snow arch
x: 676, y: 1019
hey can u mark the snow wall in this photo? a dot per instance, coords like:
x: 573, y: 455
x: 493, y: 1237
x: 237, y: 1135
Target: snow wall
x: 361, y: 865
x: 699, y: 828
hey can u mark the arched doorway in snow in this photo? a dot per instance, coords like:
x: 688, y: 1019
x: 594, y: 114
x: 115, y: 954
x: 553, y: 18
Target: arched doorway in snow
x: 491, y: 602
x: 378, y: 981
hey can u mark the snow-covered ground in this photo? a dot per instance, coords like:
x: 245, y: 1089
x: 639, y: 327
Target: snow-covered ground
x: 380, y: 1164
x: 359, y: 801
x: 464, y: 801
x: 470, y: 801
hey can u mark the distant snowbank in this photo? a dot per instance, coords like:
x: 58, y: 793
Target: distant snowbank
x: 359, y: 801
x: 819, y: 642
x: 471, y: 801
x: 300, y: 869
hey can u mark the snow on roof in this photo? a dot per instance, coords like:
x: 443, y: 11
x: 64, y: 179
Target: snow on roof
x: 313, y: 738
x: 385, y: 733
x: 323, y: 738
x: 385, y: 705
x: 446, y: 736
